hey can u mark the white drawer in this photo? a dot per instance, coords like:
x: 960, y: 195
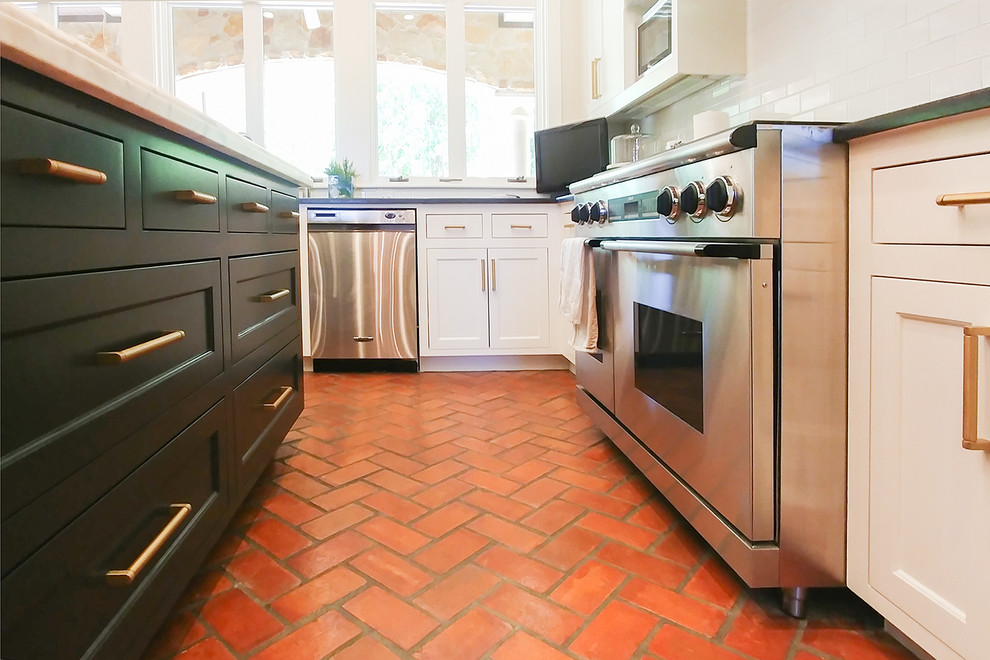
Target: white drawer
x: 453, y: 225
x: 519, y: 225
x: 904, y: 208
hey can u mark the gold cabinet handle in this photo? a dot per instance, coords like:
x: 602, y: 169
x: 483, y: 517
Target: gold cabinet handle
x: 116, y: 357
x: 289, y: 214
x: 970, y: 407
x: 363, y: 339
x: 254, y: 207
x: 455, y: 227
x: 195, y: 197
x: 123, y: 578
x: 273, y: 296
x: 484, y: 274
x: 963, y: 199
x: 595, y: 66
x: 284, y: 393
x: 62, y: 170
x: 493, y: 275
x: 520, y: 226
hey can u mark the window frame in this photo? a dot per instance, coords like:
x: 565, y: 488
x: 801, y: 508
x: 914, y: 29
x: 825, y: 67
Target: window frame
x: 147, y: 50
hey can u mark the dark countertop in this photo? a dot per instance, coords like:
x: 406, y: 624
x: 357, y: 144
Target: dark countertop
x: 954, y: 105
x: 422, y: 201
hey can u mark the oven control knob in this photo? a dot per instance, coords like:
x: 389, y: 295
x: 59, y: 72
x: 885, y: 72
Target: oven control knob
x: 669, y: 203
x: 576, y: 214
x: 723, y: 196
x: 599, y: 212
x: 693, y: 200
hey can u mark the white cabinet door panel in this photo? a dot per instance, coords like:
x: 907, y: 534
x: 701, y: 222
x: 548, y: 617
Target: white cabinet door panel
x: 457, y: 298
x: 518, y: 301
x: 929, y: 498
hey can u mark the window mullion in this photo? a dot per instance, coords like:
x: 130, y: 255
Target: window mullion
x: 254, y: 67
x: 456, y: 68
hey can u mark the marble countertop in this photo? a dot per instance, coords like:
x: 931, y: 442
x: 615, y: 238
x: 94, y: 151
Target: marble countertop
x: 33, y: 44
x: 947, y: 107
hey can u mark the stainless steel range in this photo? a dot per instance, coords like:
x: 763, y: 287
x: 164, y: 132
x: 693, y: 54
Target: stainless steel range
x: 721, y: 277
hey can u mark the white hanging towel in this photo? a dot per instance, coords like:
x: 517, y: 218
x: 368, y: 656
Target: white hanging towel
x: 577, y: 293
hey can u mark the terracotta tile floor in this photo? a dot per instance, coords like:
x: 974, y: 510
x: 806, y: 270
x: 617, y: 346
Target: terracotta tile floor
x: 477, y: 515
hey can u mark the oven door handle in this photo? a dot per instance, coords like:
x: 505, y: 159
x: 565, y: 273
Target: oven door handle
x: 720, y: 250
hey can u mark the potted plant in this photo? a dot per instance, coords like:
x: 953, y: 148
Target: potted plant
x: 343, y: 174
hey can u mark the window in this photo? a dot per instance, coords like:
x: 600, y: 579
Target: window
x: 500, y: 93
x: 208, y: 61
x: 412, y: 92
x: 299, y: 125
x: 476, y: 121
x: 96, y: 25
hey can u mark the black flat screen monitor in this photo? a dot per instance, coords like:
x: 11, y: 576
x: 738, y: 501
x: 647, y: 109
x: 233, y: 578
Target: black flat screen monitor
x: 569, y: 153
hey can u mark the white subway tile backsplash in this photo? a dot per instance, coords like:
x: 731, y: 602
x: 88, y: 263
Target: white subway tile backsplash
x: 918, y: 8
x: 954, y: 19
x: 931, y: 57
x: 972, y: 43
x: 957, y: 79
x: 816, y: 97
x: 913, y: 91
x: 790, y: 105
x: 888, y: 71
x: 845, y: 60
x: 833, y: 112
x: 907, y: 37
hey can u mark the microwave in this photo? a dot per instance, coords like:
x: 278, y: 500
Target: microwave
x: 653, y: 38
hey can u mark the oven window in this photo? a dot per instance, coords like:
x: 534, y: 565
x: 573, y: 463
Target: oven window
x: 669, y: 363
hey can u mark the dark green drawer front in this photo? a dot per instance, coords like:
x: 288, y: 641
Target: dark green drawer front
x: 161, y: 178
x: 254, y: 319
x: 58, y: 603
x: 65, y: 407
x: 285, y: 213
x: 240, y: 219
x: 259, y: 428
x: 38, y: 200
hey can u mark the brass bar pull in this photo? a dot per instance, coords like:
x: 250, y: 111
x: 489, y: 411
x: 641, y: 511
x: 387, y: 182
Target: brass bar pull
x: 596, y: 64
x: 195, y: 197
x: 57, y: 168
x: 484, y: 274
x: 520, y: 226
x: 455, y: 227
x: 283, y: 396
x: 363, y: 339
x: 254, y: 207
x: 493, y: 275
x: 963, y: 199
x: 970, y: 407
x: 273, y: 296
x: 289, y: 214
x: 116, y: 357
x: 123, y: 578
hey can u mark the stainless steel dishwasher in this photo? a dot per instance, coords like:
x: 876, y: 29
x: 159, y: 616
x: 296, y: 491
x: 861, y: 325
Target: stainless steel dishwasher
x: 362, y: 289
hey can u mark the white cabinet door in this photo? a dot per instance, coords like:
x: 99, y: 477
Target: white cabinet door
x: 604, y: 43
x: 929, y: 499
x: 457, y: 298
x: 519, y: 298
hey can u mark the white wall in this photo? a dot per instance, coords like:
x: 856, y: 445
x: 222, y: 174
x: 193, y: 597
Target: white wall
x: 844, y: 60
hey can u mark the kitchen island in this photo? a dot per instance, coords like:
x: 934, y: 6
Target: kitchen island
x: 151, y: 352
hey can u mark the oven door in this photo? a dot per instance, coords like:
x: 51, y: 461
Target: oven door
x: 694, y: 369
x: 594, y: 370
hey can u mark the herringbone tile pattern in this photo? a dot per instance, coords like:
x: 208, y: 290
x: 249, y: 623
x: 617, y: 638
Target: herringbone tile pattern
x: 476, y: 515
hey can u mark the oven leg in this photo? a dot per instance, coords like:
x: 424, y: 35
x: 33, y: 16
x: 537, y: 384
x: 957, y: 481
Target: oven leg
x: 795, y: 600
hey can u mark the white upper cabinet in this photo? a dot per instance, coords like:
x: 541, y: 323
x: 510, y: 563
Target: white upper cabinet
x: 707, y: 41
